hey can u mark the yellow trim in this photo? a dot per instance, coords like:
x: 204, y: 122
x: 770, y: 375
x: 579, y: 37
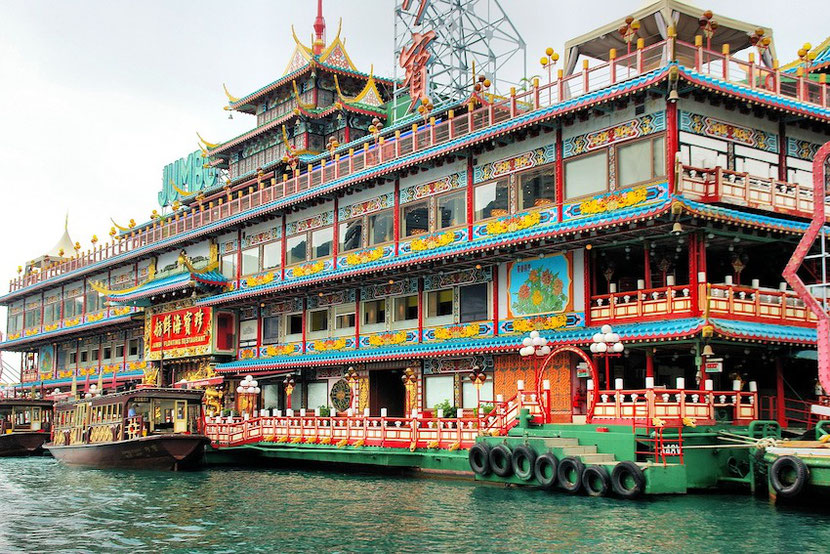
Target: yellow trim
x: 798, y: 63
x: 300, y: 102
x: 370, y: 87
x: 206, y: 143
x: 330, y: 48
x: 119, y: 227
x: 182, y: 193
x: 151, y: 274
x: 231, y: 98
x: 185, y: 261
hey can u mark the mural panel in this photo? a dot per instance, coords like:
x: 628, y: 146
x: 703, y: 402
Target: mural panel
x: 540, y: 286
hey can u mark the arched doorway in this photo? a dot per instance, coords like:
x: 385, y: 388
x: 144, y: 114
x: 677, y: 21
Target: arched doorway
x: 556, y: 368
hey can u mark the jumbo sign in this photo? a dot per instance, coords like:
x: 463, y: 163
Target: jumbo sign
x: 188, y: 175
x: 179, y: 334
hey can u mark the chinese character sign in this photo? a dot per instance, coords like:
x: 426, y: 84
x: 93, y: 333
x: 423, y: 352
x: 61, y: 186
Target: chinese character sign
x: 181, y: 333
x: 413, y: 60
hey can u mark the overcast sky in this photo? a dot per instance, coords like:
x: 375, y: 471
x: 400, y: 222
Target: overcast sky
x: 98, y: 95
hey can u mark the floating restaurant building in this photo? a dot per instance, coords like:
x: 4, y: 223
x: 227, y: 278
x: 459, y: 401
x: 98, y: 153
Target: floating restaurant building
x: 364, y: 255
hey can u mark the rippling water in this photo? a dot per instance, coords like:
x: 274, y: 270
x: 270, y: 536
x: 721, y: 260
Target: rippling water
x: 48, y: 507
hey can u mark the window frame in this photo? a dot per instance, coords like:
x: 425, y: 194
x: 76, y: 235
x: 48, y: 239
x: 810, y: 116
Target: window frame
x: 377, y: 326
x: 369, y: 228
x: 319, y: 333
x: 340, y: 234
x: 650, y: 139
x: 436, y: 212
x: 402, y: 219
x: 487, y: 302
x: 287, y: 334
x: 405, y: 323
x: 510, y: 195
x: 439, y: 319
x: 566, y: 161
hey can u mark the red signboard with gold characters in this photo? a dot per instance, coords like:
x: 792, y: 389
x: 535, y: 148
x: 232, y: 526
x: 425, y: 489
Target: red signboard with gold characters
x: 180, y: 333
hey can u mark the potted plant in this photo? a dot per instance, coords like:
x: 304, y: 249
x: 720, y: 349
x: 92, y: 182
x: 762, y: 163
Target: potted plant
x: 325, y: 411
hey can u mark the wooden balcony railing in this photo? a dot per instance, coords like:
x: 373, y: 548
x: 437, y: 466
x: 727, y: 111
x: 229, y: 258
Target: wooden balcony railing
x: 742, y: 189
x: 673, y: 405
x: 268, y: 190
x: 716, y: 300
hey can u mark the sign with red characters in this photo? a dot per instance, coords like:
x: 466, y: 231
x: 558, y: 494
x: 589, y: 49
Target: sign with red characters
x: 180, y: 333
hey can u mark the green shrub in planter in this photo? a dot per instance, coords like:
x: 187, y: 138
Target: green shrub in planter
x: 325, y: 411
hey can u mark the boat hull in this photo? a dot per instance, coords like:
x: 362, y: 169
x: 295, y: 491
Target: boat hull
x: 23, y: 443
x: 162, y: 452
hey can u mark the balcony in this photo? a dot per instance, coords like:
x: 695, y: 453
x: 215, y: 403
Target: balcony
x: 716, y: 300
x: 268, y: 191
x: 720, y: 185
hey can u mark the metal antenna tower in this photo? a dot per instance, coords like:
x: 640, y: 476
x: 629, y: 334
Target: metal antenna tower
x: 467, y: 32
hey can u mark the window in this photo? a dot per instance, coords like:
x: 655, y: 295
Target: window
x: 536, y: 188
x: 51, y: 313
x: 108, y: 353
x: 271, y: 255
x: 469, y: 395
x: 250, y: 261
x: 438, y: 389
x: 640, y: 161
x: 15, y: 323
x: 73, y: 307
x: 119, y: 351
x: 93, y: 355
x: 228, y: 266
x: 32, y: 318
x: 472, y: 302
x: 94, y: 301
x: 270, y: 330
x: 321, y: 241
x: 374, y: 312
x: 134, y: 347
x: 586, y: 175
x: 84, y: 356
x: 439, y: 303
x: 452, y: 210
x: 344, y: 317
x: 318, y: 321
x: 406, y: 308
x: 492, y: 199
x: 295, y: 249
x: 351, y: 235
x: 318, y: 395
x: 381, y: 227
x: 294, y: 324
x: 415, y: 219
x: 73, y: 358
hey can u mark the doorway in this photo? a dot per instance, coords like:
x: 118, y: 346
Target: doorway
x: 386, y: 390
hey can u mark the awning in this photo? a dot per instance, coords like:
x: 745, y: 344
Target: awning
x: 143, y: 294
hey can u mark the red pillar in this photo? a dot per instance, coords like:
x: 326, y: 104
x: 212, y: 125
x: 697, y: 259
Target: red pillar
x: 694, y: 289
x: 671, y: 143
x: 650, y: 363
x: 470, y: 213
x: 560, y: 175
x: 647, y: 265
x: 283, y: 253
x: 782, y: 151
x: 780, y: 407
x: 396, y: 215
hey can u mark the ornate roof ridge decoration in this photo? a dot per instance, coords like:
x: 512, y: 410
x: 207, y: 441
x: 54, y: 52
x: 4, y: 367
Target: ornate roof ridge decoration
x: 300, y: 103
x: 209, y: 145
x: 151, y: 274
x: 370, y: 89
x: 821, y: 61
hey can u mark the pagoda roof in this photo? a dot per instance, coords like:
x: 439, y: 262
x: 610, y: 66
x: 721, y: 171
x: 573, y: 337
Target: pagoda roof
x: 820, y: 64
x: 141, y: 294
x: 655, y: 19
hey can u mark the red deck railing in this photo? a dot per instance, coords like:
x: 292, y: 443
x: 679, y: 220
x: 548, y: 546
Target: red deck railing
x: 672, y: 405
x: 265, y: 188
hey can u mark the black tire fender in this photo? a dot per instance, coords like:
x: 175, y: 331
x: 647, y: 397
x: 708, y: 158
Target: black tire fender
x: 563, y: 474
x: 596, y: 481
x: 628, y: 480
x: 501, y: 460
x: 802, y: 476
x: 524, y: 458
x: 479, y: 458
x: 544, y: 469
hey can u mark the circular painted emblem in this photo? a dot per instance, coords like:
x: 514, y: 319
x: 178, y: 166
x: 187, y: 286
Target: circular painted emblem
x: 341, y: 396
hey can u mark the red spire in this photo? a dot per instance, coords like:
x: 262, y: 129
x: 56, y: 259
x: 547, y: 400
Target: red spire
x: 319, y: 30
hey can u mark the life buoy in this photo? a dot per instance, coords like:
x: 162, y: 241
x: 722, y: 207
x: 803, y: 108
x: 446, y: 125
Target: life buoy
x: 628, y: 480
x: 545, y: 470
x: 479, y: 457
x: 569, y: 474
x: 596, y: 481
x: 788, y: 476
x: 501, y: 461
x: 524, y: 458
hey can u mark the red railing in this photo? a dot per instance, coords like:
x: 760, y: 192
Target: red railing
x: 390, y: 432
x: 671, y: 405
x: 505, y: 413
x: 742, y: 189
x: 767, y: 304
x: 267, y: 187
x: 658, y: 446
x: 797, y: 412
x: 636, y: 305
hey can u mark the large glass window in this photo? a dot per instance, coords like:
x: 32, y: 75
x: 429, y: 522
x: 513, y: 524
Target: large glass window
x: 321, y: 241
x: 640, y: 161
x: 415, y: 219
x: 406, y: 308
x: 250, y: 261
x: 294, y: 324
x: 94, y: 301
x: 351, y: 235
x: 318, y: 320
x: 381, y: 227
x: 472, y: 302
x: 135, y: 347
x: 452, y: 209
x: 295, y: 249
x: 318, y: 395
x: 536, y: 188
x: 270, y: 329
x: 374, y: 312
x: 586, y: 175
x: 51, y: 313
x: 439, y: 303
x: 492, y: 199
x: 344, y: 317
x: 439, y: 388
x: 469, y: 395
x: 228, y: 266
x: 73, y: 307
x: 32, y: 318
x: 271, y: 255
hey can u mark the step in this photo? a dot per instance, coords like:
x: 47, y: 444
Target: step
x: 597, y: 458
x: 560, y: 442
x: 579, y: 450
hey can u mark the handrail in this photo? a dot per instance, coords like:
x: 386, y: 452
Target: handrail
x: 265, y: 188
x: 672, y: 404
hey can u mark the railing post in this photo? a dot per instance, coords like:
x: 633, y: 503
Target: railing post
x: 450, y: 124
x: 641, y: 43
x: 799, y: 83
x: 725, y: 52
x: 337, y: 166
x: 351, y: 162
x: 535, y: 94
x: 777, y: 72
x: 512, y: 103
x: 397, y: 143
x: 751, y: 73
x: 471, y: 106
x: 698, y: 53
x: 585, y: 77
x: 560, y: 85
x: 309, y: 170
x: 612, y: 64
x: 379, y: 147
x: 414, y: 137
x: 432, y: 131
